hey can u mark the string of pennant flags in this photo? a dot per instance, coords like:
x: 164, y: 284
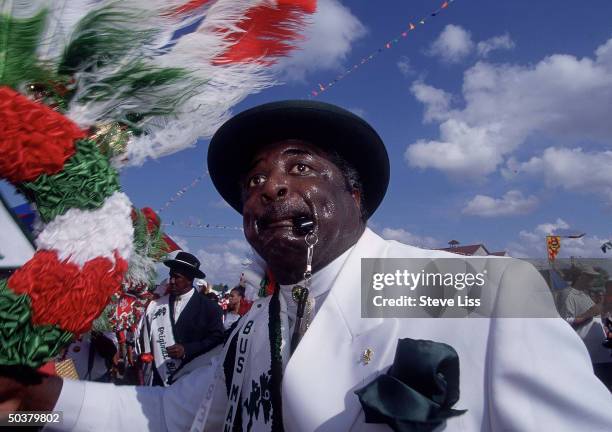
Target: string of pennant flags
x: 411, y: 27
x: 179, y: 194
x: 207, y: 236
x: 201, y: 225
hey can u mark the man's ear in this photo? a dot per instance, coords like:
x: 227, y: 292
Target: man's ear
x: 356, y: 194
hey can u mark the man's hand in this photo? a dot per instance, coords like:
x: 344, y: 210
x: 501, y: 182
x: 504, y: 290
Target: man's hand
x: 582, y: 319
x: 594, y: 311
x: 12, y: 394
x: 27, y: 392
x: 176, y: 351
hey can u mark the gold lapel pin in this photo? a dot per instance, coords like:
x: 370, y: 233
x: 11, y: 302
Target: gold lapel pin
x: 366, y: 357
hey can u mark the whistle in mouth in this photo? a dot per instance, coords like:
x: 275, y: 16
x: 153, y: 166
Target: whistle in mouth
x: 303, y: 225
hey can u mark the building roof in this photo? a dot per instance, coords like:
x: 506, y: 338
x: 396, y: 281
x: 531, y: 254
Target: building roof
x: 466, y: 250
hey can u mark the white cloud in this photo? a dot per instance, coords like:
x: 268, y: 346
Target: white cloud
x: 405, y: 66
x: 453, y: 44
x: 329, y: 40
x: 551, y: 227
x: 604, y: 53
x: 495, y: 43
x: 511, y: 203
x: 572, y: 170
x: 560, y: 97
x: 532, y: 244
x: 463, y: 150
x: 437, y: 102
x: 233, y: 245
x: 223, y: 262
x: 407, y: 237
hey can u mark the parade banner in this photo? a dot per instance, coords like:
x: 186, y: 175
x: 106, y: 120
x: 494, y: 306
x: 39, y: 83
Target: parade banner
x: 553, y: 245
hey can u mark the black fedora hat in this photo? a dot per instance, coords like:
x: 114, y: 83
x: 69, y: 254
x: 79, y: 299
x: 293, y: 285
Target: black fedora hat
x: 186, y: 264
x: 327, y: 126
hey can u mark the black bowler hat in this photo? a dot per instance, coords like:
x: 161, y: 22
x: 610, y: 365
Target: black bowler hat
x: 326, y: 126
x: 186, y: 264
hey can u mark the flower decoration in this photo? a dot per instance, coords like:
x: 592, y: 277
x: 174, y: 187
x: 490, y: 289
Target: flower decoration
x: 418, y: 391
x: 65, y: 294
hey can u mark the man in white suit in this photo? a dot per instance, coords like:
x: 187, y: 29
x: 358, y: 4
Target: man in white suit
x: 293, y: 164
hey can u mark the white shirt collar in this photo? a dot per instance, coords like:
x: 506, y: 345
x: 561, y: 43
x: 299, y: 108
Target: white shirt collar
x: 322, y: 280
x: 180, y: 301
x: 184, y: 297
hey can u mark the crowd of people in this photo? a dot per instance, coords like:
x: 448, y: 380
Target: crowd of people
x: 196, y: 317
x: 99, y: 356
x: 584, y: 305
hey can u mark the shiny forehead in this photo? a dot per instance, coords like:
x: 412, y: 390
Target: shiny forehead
x: 291, y: 147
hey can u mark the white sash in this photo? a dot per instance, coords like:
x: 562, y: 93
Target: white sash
x: 161, y: 336
x: 251, y: 365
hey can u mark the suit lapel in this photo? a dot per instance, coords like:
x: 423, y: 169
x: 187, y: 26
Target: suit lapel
x: 171, y: 307
x: 327, y: 366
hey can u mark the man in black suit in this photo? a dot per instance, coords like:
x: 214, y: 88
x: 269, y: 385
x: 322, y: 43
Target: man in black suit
x: 196, y: 321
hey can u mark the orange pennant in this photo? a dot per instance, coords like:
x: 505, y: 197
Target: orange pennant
x: 553, y: 245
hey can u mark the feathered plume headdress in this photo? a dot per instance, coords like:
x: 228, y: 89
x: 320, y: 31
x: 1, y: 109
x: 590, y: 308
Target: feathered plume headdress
x: 88, y: 86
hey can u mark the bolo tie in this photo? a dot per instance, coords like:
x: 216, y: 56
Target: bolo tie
x: 300, y: 293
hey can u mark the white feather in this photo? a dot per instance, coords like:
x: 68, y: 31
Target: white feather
x: 141, y: 269
x: 227, y: 85
x: 22, y: 8
x: 63, y: 16
x: 208, y: 105
x: 168, y: 23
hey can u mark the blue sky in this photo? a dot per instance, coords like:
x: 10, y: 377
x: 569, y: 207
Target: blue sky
x: 496, y: 116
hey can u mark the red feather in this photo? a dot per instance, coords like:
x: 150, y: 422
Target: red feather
x: 268, y: 32
x: 190, y: 6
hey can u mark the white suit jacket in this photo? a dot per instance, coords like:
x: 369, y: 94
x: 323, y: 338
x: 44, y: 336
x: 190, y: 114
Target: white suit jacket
x: 515, y: 374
